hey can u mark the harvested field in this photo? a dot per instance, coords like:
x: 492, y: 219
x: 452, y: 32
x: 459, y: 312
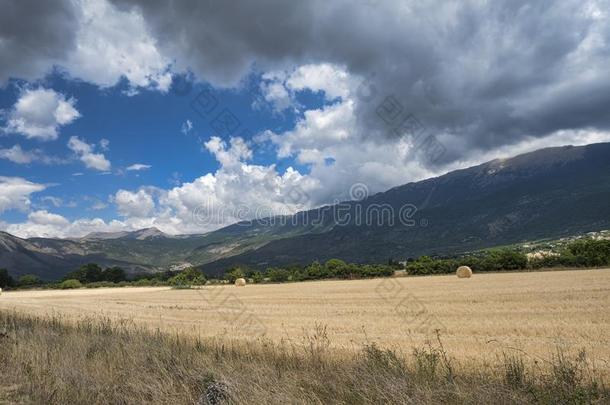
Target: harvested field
x: 478, y: 318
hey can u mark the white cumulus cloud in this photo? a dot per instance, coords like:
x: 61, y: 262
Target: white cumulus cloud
x: 15, y: 192
x: 86, y: 154
x: 39, y: 113
x: 134, y: 204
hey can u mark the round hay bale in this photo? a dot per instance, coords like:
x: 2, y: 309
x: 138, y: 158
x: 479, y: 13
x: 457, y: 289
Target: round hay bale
x: 464, y: 272
x: 240, y: 282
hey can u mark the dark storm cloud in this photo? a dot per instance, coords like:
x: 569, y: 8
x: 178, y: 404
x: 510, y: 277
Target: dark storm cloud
x: 477, y: 74
x: 34, y: 35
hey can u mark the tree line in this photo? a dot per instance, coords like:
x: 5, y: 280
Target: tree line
x: 580, y: 253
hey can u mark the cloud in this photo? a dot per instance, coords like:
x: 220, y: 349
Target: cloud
x: 279, y: 88
x: 18, y: 155
x: 15, y: 193
x: 55, y: 201
x: 138, y: 204
x: 120, y: 39
x: 104, y: 144
x: 39, y: 113
x: 35, y: 36
x: 99, y: 205
x: 187, y: 126
x: 45, y: 224
x: 237, y: 191
x: 480, y: 75
x: 85, y: 153
x: 75, y: 36
x: 138, y: 167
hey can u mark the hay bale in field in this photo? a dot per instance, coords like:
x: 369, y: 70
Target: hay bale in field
x: 464, y: 272
x: 0, y: 291
x: 240, y: 282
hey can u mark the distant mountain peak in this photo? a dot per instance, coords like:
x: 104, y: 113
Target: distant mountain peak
x: 141, y: 234
x: 148, y: 233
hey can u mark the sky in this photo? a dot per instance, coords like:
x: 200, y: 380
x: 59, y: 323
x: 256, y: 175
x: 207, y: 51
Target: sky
x: 191, y: 115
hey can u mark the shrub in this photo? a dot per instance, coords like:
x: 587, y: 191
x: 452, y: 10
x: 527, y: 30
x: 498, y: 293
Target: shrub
x: 70, y: 284
x: 505, y: 259
x: 100, y: 284
x: 277, y: 275
x: 335, y: 267
x: 590, y: 253
x: 315, y: 271
x: 28, y: 280
x: 234, y: 274
x: 428, y: 265
x: 257, y: 277
x: 190, y: 276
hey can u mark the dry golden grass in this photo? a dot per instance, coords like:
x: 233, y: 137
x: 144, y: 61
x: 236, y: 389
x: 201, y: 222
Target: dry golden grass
x: 45, y: 360
x: 479, y: 318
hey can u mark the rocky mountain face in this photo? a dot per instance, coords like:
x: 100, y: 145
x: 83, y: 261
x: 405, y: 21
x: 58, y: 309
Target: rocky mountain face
x: 548, y: 193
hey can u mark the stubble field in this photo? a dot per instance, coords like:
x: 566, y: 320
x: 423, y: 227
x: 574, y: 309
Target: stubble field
x: 477, y: 319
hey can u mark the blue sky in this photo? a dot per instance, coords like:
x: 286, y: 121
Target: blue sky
x: 146, y: 128
x: 122, y: 114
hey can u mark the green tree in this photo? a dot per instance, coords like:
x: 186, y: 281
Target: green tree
x: 506, y: 259
x: 190, y: 276
x: 5, y: 279
x: 590, y: 252
x: 89, y: 273
x: 277, y: 275
x: 316, y: 271
x: 114, y: 275
x: 28, y: 280
x: 335, y: 267
x: 234, y: 274
x: 93, y: 273
x: 257, y: 277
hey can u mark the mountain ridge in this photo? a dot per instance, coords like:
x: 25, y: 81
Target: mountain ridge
x: 546, y: 193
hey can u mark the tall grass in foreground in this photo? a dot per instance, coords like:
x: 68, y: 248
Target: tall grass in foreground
x: 99, y: 361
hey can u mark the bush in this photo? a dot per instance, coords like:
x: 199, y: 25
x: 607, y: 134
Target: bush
x: 335, y: 267
x: 234, y: 274
x: 101, y: 284
x: 190, y: 276
x: 316, y: 271
x: 428, y: 265
x: 506, y: 259
x: 70, y: 284
x: 277, y: 275
x: 590, y: 253
x: 257, y: 277
x: 28, y: 280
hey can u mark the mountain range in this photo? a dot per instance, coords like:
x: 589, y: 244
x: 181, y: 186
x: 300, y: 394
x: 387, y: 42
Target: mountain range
x: 549, y: 193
